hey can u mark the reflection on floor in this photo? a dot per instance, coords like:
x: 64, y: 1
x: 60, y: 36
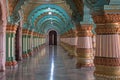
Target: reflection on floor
x: 51, y: 63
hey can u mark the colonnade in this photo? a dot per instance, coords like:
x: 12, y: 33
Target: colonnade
x: 31, y: 43
x: 68, y: 42
x: 106, y: 55
x: 79, y: 44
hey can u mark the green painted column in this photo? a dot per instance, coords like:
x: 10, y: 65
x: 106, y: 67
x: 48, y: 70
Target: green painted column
x: 24, y: 43
x: 10, y: 45
x: 39, y: 41
x: 30, y: 43
x: 34, y: 41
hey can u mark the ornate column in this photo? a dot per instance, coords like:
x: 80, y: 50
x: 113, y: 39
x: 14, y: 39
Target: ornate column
x: 107, y: 20
x: 25, y: 43
x: 39, y: 41
x: 84, y: 46
x: 3, y: 22
x: 10, y: 45
x: 2, y: 46
x: 106, y: 15
x: 30, y: 42
x: 72, y: 43
x: 34, y: 41
x: 107, y: 57
x: 94, y: 43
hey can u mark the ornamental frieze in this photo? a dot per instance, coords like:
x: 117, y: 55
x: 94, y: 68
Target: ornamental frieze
x: 108, y: 29
x: 107, y: 61
x: 106, y: 18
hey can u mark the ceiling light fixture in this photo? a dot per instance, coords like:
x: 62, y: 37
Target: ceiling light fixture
x: 50, y: 13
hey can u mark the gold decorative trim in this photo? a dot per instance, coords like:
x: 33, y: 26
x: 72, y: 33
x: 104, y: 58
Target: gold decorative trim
x: 107, y: 70
x: 11, y: 28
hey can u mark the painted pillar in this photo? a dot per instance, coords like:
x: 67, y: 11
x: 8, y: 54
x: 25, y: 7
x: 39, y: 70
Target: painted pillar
x: 107, y: 56
x: 2, y: 47
x: 10, y: 45
x: 94, y: 43
x: 34, y: 42
x: 72, y: 43
x: 43, y: 40
x: 64, y: 40
x: 24, y: 43
x: 39, y: 40
x: 84, y: 46
x: 29, y: 43
x: 3, y: 22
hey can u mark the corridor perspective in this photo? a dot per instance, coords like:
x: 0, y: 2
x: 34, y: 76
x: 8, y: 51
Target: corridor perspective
x: 59, y: 40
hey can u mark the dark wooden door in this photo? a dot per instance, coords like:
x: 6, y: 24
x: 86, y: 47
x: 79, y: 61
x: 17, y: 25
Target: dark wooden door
x: 52, y: 37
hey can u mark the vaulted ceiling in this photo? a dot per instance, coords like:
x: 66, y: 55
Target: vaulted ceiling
x: 43, y: 15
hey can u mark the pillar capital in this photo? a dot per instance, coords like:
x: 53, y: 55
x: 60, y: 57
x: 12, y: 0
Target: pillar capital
x: 11, y: 28
x: 84, y: 30
x: 25, y: 31
x: 30, y: 32
x: 107, y: 45
x: 73, y: 33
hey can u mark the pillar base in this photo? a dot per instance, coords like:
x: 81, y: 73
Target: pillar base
x: 105, y: 77
x: 30, y: 53
x: 11, y: 63
x: 20, y: 59
x: 107, y: 72
x: 2, y: 69
x: 87, y: 61
x: 71, y: 51
x: 80, y: 65
x: 25, y: 55
x: 71, y: 55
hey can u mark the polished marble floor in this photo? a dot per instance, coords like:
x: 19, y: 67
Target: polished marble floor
x: 51, y: 63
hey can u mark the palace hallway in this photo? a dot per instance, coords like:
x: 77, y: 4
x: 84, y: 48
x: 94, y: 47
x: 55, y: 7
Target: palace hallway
x: 59, y: 40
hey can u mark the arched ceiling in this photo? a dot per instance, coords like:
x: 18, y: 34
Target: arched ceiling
x: 53, y: 14
x: 43, y: 15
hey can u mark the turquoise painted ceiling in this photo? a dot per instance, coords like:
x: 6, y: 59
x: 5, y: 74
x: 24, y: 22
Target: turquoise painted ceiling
x: 60, y: 15
x: 46, y: 15
x: 51, y: 17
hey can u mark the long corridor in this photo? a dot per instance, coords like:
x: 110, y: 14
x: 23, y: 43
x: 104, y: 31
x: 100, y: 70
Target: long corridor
x: 51, y: 63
